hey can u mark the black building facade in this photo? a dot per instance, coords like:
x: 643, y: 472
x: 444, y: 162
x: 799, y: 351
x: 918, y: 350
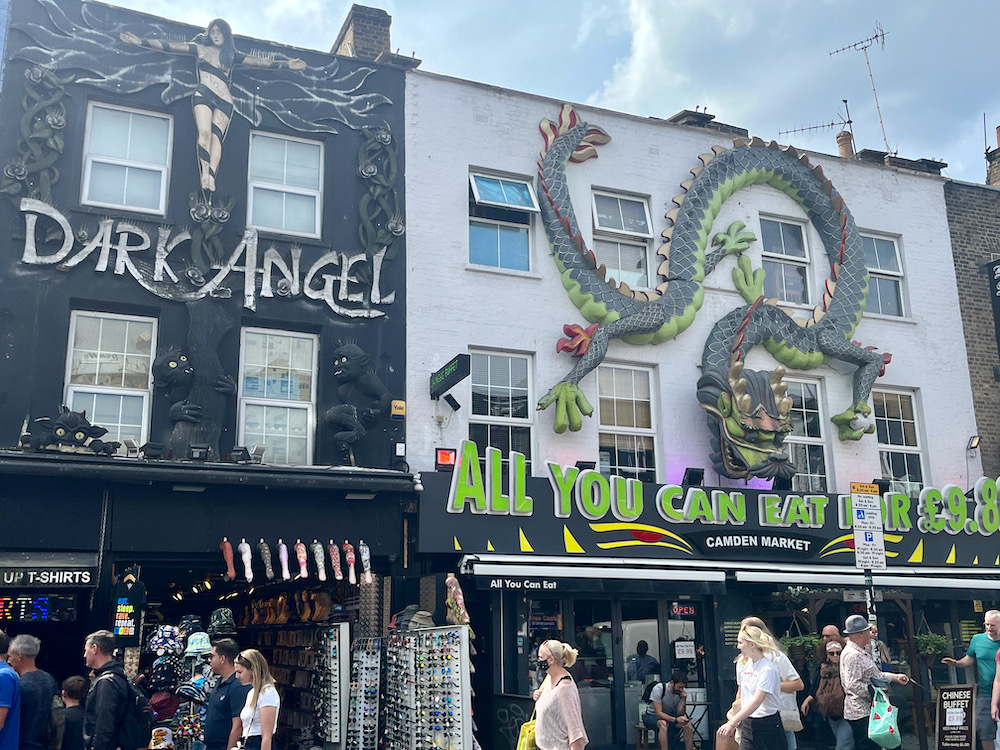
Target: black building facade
x: 202, y: 283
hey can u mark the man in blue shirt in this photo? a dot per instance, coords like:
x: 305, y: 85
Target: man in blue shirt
x: 222, y: 711
x: 10, y: 700
x: 983, y: 652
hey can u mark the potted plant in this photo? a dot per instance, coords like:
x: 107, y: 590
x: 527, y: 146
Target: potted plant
x: 801, y: 648
x: 931, y: 646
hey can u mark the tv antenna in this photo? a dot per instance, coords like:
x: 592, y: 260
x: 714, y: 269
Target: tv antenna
x: 863, y: 45
x: 844, y: 122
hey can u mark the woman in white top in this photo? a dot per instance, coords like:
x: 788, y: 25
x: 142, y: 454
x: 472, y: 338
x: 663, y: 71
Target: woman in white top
x: 559, y: 725
x: 759, y: 717
x: 791, y: 681
x: 260, y: 712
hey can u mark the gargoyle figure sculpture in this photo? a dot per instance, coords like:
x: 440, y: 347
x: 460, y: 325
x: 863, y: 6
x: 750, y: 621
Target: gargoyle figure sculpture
x: 71, y: 429
x: 659, y: 315
x: 194, y: 383
x: 363, y: 395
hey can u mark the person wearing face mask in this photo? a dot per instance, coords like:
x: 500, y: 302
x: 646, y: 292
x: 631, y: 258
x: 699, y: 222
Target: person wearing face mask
x: 983, y: 649
x: 559, y: 721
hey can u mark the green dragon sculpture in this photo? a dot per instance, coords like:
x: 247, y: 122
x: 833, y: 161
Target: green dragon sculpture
x: 748, y: 411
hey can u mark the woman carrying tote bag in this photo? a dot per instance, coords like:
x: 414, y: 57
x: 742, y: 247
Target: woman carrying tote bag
x: 260, y: 712
x: 559, y: 723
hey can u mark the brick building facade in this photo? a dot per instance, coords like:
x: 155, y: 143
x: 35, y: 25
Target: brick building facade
x: 974, y: 222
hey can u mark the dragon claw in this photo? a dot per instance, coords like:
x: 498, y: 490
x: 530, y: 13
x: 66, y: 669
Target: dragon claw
x: 855, y: 422
x: 571, y: 406
x: 749, y: 282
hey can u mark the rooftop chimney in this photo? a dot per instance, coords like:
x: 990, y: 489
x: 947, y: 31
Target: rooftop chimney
x: 993, y: 164
x: 364, y: 35
x: 845, y: 144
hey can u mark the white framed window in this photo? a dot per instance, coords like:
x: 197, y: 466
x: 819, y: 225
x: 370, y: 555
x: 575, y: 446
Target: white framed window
x: 900, y: 452
x: 285, y: 184
x: 500, y: 221
x: 785, y: 260
x: 622, y: 231
x: 627, y: 445
x: 806, y: 442
x: 885, y: 275
x: 109, y: 372
x: 277, y: 394
x: 502, y: 406
x: 126, y: 158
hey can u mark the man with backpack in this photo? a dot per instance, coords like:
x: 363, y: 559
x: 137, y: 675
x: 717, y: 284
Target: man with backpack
x: 666, y: 712
x: 108, y: 696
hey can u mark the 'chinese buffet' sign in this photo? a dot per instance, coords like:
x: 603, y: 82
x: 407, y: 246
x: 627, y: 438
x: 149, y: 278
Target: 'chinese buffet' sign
x: 580, y: 511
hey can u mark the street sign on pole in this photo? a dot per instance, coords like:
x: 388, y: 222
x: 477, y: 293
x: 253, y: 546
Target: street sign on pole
x: 869, y: 541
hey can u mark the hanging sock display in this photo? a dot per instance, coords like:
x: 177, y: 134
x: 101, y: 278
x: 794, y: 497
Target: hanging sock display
x: 244, y: 550
x: 283, y: 559
x: 265, y: 555
x: 366, y: 562
x: 352, y: 576
x: 226, y: 547
x: 300, y: 555
x: 334, y: 552
x: 317, y: 551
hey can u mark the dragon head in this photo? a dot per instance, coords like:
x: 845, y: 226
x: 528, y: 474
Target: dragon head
x: 749, y: 419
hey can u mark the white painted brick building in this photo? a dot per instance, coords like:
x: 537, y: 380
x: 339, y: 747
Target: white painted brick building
x: 455, y: 128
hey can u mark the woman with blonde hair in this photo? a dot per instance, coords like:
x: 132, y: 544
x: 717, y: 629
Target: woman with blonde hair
x: 559, y: 723
x: 759, y: 717
x: 260, y: 712
x: 791, y: 681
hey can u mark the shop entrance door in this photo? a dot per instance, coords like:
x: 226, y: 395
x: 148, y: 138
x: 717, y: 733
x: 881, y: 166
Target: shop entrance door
x: 625, y: 643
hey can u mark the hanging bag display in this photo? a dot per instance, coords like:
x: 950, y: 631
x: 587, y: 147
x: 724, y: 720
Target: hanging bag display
x: 883, y: 727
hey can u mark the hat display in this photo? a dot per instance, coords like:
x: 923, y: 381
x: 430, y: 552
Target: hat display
x: 856, y: 624
x: 198, y: 644
x: 164, y: 705
x: 222, y: 622
x: 161, y: 739
x: 195, y: 689
x: 164, y: 673
x: 189, y: 624
x: 421, y: 619
x: 167, y: 640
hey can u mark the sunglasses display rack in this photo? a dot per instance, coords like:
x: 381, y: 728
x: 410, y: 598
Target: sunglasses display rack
x: 329, y: 689
x: 363, y: 714
x: 428, y: 691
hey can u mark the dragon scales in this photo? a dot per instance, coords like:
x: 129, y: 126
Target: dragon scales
x: 748, y: 411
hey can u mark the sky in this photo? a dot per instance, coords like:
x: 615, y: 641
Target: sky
x: 764, y: 65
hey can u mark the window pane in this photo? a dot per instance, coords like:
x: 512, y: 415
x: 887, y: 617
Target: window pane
x: 303, y: 168
x: 142, y: 188
x: 88, y: 333
x: 885, y: 294
x: 634, y: 216
x: 885, y: 251
x: 268, y: 208
x: 267, y: 159
x: 791, y: 234
x: 107, y: 183
x: 517, y: 194
x: 109, y: 132
x: 489, y: 189
x: 148, y: 139
x: 300, y: 213
x: 770, y: 237
x: 608, y: 212
x: 484, y: 244
x: 514, y: 248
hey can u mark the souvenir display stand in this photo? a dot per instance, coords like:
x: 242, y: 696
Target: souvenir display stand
x: 366, y: 671
x: 329, y: 688
x: 428, y: 690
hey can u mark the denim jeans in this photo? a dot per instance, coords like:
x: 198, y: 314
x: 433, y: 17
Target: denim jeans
x: 842, y: 731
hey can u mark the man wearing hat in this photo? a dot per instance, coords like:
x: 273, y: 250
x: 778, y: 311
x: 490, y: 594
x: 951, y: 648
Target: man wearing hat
x: 222, y: 711
x: 857, y: 668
